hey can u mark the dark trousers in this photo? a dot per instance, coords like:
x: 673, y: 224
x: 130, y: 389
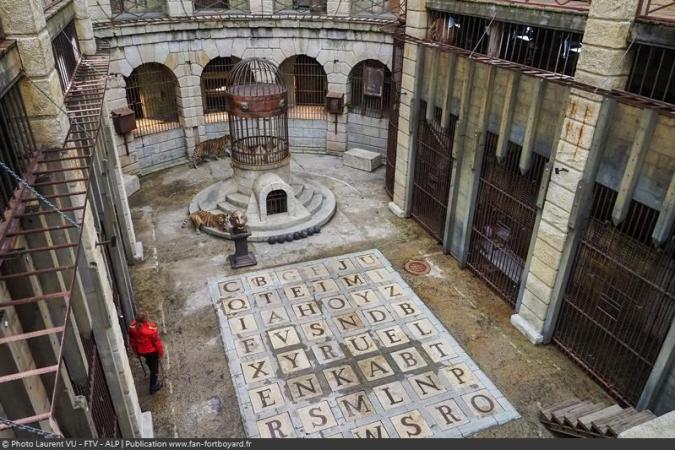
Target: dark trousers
x: 152, y: 361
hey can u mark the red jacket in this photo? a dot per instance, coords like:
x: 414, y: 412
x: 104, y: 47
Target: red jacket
x: 144, y: 338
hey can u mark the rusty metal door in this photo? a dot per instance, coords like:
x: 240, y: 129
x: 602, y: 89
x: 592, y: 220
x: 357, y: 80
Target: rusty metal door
x: 433, y: 169
x: 392, y: 131
x: 620, y: 299
x: 504, y: 218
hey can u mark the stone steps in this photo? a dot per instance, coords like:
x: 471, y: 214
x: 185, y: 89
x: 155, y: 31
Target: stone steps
x: 238, y: 199
x: 315, y: 203
x: 306, y: 196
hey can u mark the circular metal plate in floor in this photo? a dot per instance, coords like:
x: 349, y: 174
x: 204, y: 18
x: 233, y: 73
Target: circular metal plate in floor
x: 417, y: 267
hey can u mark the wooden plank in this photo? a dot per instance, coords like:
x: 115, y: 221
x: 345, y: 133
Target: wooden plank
x: 666, y: 216
x: 631, y: 173
x: 587, y: 420
x: 572, y: 417
x: 601, y: 425
x: 559, y: 414
x: 548, y: 412
x: 531, y: 127
x: 636, y: 419
x: 510, y: 100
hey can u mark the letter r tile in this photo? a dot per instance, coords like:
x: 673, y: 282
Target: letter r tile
x: 279, y: 426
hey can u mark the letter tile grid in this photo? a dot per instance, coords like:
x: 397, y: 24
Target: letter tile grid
x: 342, y: 347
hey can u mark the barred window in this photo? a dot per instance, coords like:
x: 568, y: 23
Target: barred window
x: 301, y: 6
x: 307, y: 87
x: 136, y: 7
x: 66, y: 49
x: 543, y: 48
x: 376, y: 7
x: 151, y: 93
x: 653, y: 73
x: 369, y: 89
x: 16, y: 142
x: 214, y: 80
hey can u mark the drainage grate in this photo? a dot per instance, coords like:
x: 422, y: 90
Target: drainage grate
x: 417, y: 267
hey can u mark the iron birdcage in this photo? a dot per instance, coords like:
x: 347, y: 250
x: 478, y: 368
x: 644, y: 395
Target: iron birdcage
x: 257, y: 107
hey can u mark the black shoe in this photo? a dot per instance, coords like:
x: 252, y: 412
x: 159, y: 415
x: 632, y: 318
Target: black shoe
x: 156, y: 388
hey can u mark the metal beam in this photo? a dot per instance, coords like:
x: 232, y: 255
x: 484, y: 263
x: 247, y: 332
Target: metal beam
x: 664, y: 225
x: 532, y: 125
x: 510, y: 100
x: 631, y: 173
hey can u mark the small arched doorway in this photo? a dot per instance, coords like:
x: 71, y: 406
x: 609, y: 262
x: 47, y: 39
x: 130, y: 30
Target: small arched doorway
x: 277, y: 202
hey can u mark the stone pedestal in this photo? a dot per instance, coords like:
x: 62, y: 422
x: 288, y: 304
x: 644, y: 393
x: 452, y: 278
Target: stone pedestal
x: 242, y: 257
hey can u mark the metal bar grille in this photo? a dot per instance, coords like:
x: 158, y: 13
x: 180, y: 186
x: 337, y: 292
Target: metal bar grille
x: 136, y: 7
x: 214, y: 81
x: 218, y: 5
x: 504, y: 219
x: 97, y: 393
x: 657, y: 10
x: 67, y: 55
x: 52, y: 234
x: 301, y: 6
x: 653, y: 73
x: 307, y: 87
x: 16, y: 143
x: 376, y: 7
x: 543, y: 48
x: 392, y: 130
x: 277, y: 202
x: 620, y: 299
x: 433, y: 169
x: 370, y: 89
x: 259, y: 141
x: 151, y: 94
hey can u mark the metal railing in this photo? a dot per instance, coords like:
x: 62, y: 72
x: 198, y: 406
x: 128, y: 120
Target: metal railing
x: 657, y: 10
x: 301, y: 6
x: 56, y: 178
x: 220, y: 5
x: 576, y: 5
x: 151, y: 93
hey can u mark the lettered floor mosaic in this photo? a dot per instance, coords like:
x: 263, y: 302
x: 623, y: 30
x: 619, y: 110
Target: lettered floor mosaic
x: 342, y: 347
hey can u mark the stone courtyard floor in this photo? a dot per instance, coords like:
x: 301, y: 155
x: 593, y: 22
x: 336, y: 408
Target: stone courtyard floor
x: 199, y: 399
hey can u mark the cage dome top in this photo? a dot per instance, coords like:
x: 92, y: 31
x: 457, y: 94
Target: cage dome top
x: 255, y: 77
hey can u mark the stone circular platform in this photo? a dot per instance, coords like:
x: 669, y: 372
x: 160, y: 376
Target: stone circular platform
x: 317, y: 200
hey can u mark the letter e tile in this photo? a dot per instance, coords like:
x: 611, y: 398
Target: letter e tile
x: 266, y: 397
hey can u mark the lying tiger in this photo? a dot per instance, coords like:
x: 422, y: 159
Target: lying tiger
x: 234, y: 222
x: 212, y: 148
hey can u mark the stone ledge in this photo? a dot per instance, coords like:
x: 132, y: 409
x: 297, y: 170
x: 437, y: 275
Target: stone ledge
x: 361, y: 159
x: 661, y: 427
x: 524, y: 327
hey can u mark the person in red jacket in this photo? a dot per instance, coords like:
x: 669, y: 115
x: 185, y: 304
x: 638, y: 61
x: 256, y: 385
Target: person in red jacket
x: 145, y: 341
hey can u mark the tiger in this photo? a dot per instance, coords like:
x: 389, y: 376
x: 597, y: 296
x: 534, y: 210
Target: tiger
x: 206, y: 219
x: 213, y: 148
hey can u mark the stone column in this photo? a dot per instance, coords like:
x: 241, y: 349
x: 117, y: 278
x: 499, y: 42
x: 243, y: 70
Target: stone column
x: 416, y: 25
x: 261, y: 6
x: 190, y: 103
x: 576, y: 158
x: 336, y: 134
x: 603, y: 61
x: 338, y: 7
x: 85, y: 30
x: 24, y: 21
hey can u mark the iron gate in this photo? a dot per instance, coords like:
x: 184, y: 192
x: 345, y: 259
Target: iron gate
x: 504, y: 219
x: 392, y: 131
x: 97, y: 394
x: 433, y: 169
x: 620, y: 298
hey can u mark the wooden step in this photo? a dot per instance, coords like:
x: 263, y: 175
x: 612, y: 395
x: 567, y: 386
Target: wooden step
x: 572, y: 417
x: 601, y: 425
x: 547, y: 414
x: 559, y: 414
x: 619, y: 426
x: 586, y: 421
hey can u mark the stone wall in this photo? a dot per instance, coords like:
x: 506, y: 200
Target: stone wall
x: 186, y: 47
x: 368, y: 133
